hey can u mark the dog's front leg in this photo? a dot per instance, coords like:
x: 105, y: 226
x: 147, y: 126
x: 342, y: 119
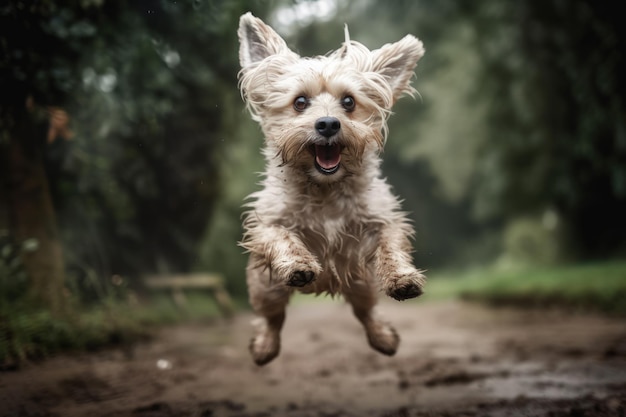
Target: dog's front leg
x: 400, y: 279
x: 285, y: 254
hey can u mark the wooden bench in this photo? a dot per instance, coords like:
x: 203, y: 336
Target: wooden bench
x: 209, y: 282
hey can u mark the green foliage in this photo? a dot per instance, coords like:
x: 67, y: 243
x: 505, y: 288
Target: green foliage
x: 147, y: 87
x: 28, y: 333
x: 155, y: 150
x: 533, y: 241
x: 556, y: 125
x: 597, y: 287
x: 13, y: 279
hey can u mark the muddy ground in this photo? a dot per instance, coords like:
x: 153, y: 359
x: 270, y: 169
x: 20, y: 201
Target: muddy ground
x: 455, y: 359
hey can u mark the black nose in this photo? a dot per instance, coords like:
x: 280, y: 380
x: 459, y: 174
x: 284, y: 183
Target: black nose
x: 327, y: 126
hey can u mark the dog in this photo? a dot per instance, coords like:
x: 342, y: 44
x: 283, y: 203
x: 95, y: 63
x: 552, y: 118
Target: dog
x: 325, y: 220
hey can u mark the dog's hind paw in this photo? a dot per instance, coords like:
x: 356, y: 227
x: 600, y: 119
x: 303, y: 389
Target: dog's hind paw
x: 264, y: 348
x: 406, y: 286
x: 300, y: 278
x: 383, y: 338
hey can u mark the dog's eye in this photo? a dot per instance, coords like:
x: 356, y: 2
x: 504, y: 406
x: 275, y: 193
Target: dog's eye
x: 300, y: 103
x: 348, y: 103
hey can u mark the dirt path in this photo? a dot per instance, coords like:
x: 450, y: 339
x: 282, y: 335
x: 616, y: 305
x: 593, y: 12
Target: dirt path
x: 455, y: 359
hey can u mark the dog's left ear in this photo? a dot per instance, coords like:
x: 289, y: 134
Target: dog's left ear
x: 257, y: 41
x: 396, y: 62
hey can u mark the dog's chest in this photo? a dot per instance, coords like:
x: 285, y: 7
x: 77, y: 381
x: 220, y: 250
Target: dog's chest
x: 343, y: 237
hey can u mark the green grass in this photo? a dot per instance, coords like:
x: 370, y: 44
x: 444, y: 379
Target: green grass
x: 27, y: 333
x: 591, y: 287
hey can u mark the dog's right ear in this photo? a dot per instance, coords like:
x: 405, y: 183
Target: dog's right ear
x: 257, y: 41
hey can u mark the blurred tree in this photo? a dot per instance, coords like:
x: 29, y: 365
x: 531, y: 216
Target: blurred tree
x: 557, y: 126
x: 32, y: 217
x: 28, y: 77
x: 144, y: 85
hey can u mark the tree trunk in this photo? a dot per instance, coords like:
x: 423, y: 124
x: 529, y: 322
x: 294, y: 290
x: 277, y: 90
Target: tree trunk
x: 32, y: 216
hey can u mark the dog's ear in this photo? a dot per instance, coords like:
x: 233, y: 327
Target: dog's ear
x: 396, y: 62
x: 257, y: 41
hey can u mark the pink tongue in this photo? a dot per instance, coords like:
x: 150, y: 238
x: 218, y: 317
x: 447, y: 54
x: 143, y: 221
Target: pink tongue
x: 328, y: 157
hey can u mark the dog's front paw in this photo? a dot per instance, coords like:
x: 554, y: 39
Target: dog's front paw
x: 300, y: 278
x: 299, y: 272
x: 406, y: 286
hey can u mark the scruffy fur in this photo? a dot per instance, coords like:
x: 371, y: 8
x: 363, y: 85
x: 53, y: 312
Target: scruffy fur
x: 325, y: 219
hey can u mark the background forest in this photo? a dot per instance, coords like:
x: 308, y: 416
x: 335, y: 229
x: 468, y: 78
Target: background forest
x: 125, y: 150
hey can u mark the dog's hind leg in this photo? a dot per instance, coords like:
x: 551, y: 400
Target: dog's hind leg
x: 269, y: 301
x: 380, y: 335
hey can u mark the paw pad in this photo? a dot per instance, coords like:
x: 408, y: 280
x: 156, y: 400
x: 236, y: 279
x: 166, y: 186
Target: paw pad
x: 405, y: 291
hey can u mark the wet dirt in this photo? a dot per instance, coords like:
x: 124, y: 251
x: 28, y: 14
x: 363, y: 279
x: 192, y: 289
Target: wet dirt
x: 455, y: 359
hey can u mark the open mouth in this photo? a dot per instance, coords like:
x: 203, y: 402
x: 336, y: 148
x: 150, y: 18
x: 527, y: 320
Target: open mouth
x: 327, y: 158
